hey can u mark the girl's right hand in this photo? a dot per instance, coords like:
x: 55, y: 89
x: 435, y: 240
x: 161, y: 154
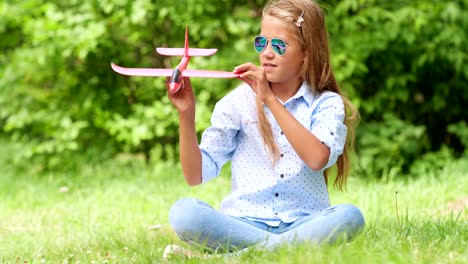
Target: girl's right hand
x: 256, y: 78
x: 184, y: 99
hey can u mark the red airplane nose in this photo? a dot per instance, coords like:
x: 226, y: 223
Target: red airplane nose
x: 174, y: 87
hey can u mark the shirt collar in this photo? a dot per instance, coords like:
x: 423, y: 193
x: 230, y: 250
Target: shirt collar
x: 305, y: 92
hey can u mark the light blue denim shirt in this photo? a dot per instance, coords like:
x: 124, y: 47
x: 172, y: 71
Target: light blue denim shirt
x: 260, y: 191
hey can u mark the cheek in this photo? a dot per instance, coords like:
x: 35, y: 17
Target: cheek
x: 295, y: 61
x: 295, y: 55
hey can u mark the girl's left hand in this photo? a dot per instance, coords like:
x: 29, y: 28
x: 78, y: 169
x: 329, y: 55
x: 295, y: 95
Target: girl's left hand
x: 255, y: 76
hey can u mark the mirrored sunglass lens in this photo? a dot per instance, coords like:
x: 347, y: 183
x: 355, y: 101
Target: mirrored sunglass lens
x: 260, y: 43
x: 279, y: 46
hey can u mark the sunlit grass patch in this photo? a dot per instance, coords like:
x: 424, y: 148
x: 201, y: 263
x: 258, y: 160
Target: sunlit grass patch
x: 117, y: 212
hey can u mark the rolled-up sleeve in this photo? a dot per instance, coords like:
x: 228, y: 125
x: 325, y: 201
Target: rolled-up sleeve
x: 219, y: 140
x: 327, y: 124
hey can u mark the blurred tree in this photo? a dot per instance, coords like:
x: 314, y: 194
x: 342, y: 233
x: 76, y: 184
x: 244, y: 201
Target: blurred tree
x: 403, y: 63
x: 59, y: 93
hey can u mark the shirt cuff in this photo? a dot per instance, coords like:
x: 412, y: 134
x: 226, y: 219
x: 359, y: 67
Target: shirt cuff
x: 334, y: 139
x: 209, y: 168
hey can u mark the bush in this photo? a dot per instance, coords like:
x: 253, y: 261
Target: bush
x: 59, y: 93
x: 392, y: 143
x: 403, y: 63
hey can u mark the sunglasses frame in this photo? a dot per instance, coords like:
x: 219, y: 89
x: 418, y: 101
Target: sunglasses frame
x: 270, y: 41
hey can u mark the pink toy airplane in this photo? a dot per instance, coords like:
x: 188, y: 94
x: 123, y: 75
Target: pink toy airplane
x: 180, y: 71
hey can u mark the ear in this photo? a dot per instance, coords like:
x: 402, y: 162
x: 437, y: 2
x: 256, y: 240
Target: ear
x: 305, y: 62
x: 305, y: 58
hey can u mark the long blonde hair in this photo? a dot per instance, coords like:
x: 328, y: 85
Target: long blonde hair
x: 317, y: 72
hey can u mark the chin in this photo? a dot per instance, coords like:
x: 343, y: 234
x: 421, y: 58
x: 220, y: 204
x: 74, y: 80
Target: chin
x: 272, y: 78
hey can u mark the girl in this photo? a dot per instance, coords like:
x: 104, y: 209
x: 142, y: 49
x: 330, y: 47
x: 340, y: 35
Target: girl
x: 282, y: 130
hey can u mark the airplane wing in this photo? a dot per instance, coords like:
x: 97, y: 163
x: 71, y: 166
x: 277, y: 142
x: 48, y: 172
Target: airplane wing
x: 192, y: 52
x: 209, y: 74
x: 168, y: 72
x: 142, y: 71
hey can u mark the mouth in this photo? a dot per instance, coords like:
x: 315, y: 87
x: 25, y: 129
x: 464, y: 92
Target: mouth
x: 269, y: 65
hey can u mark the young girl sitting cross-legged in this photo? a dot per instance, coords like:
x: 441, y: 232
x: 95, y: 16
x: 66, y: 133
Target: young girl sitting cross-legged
x: 282, y: 130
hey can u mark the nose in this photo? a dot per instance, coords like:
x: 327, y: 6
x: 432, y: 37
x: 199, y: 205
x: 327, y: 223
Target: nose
x: 268, y: 52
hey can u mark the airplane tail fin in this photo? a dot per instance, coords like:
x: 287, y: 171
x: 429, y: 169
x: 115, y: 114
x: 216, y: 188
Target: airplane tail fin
x: 186, y: 46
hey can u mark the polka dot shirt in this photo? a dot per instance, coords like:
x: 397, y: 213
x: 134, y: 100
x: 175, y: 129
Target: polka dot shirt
x: 260, y: 191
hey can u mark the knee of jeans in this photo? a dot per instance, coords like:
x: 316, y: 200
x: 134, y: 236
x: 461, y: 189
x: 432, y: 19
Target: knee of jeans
x: 354, y: 215
x: 181, y: 214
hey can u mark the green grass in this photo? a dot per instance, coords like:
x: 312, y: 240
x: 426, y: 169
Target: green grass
x: 102, y: 214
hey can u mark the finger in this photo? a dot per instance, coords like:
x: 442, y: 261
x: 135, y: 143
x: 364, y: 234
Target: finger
x: 247, y: 80
x: 187, y: 83
x: 168, y: 79
x: 244, y: 67
x: 249, y: 74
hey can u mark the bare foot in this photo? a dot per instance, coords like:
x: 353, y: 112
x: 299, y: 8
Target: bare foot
x: 174, y: 250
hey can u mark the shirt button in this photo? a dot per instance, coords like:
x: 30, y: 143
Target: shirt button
x: 281, y: 155
x: 282, y: 175
x: 276, y: 194
x: 276, y: 213
x: 282, y: 132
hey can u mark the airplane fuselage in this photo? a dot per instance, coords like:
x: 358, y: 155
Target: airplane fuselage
x: 177, y: 78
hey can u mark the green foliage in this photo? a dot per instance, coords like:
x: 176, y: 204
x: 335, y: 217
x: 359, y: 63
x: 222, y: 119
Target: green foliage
x: 403, y: 63
x: 432, y: 162
x: 101, y: 213
x: 59, y: 92
x: 392, y: 143
x: 407, y: 59
x: 460, y: 129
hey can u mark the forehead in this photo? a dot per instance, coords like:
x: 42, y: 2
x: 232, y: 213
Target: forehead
x: 275, y: 28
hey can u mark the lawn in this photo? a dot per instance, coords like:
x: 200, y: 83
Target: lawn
x: 116, y: 212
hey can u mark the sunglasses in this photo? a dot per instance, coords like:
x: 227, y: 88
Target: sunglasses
x: 278, y: 45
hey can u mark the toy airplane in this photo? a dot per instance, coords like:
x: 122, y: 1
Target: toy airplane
x: 180, y: 71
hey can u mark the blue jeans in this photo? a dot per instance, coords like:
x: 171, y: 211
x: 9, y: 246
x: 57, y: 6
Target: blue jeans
x: 200, y: 224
